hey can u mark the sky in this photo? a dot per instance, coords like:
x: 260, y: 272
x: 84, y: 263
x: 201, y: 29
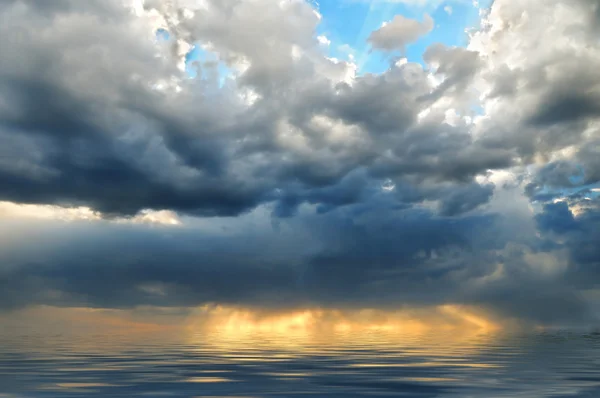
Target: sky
x: 165, y: 156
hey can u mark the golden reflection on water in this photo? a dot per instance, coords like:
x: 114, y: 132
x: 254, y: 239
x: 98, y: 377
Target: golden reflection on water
x: 454, y: 364
x: 245, y: 336
x: 206, y: 380
x: 75, y: 387
x: 251, y: 346
x: 446, y: 351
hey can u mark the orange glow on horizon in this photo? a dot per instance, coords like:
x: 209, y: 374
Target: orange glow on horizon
x: 82, y: 318
x: 245, y: 334
x: 235, y: 321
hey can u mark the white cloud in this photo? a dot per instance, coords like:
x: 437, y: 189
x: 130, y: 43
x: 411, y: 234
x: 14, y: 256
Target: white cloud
x: 323, y: 40
x: 10, y: 210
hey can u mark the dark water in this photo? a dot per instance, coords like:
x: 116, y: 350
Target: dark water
x: 365, y: 364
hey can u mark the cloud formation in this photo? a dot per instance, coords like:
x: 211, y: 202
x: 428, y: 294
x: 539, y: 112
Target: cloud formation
x: 96, y: 114
x: 471, y: 180
x: 399, y: 32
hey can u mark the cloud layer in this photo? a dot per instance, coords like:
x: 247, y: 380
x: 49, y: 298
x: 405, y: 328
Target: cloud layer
x: 472, y: 180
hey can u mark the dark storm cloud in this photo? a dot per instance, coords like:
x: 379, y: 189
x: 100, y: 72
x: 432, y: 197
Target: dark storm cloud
x: 553, y: 176
x: 557, y: 217
x: 77, y: 87
x: 378, y: 188
x: 589, y: 156
x: 457, y: 65
x: 372, y: 258
x: 579, y: 236
x: 564, y: 107
x: 348, y: 258
x: 465, y: 199
x: 95, y: 125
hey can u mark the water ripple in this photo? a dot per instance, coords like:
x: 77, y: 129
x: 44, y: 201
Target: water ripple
x: 376, y: 364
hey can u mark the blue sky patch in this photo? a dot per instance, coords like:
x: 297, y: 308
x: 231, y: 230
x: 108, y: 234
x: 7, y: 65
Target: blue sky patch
x: 349, y: 24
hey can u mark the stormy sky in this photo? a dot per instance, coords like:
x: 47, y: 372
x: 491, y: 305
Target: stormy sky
x: 176, y: 153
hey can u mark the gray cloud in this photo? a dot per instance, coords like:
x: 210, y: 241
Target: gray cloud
x: 412, y: 186
x: 78, y: 90
x: 399, y: 32
x: 380, y: 257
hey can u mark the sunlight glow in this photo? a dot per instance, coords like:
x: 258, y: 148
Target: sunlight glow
x: 245, y: 334
x: 235, y: 322
x: 59, y: 213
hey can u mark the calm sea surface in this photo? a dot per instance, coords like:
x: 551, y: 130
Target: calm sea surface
x: 557, y: 364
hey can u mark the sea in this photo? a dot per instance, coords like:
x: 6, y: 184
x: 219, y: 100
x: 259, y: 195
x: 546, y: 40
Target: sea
x: 366, y: 364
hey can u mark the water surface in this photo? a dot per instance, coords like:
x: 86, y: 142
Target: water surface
x: 557, y: 364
